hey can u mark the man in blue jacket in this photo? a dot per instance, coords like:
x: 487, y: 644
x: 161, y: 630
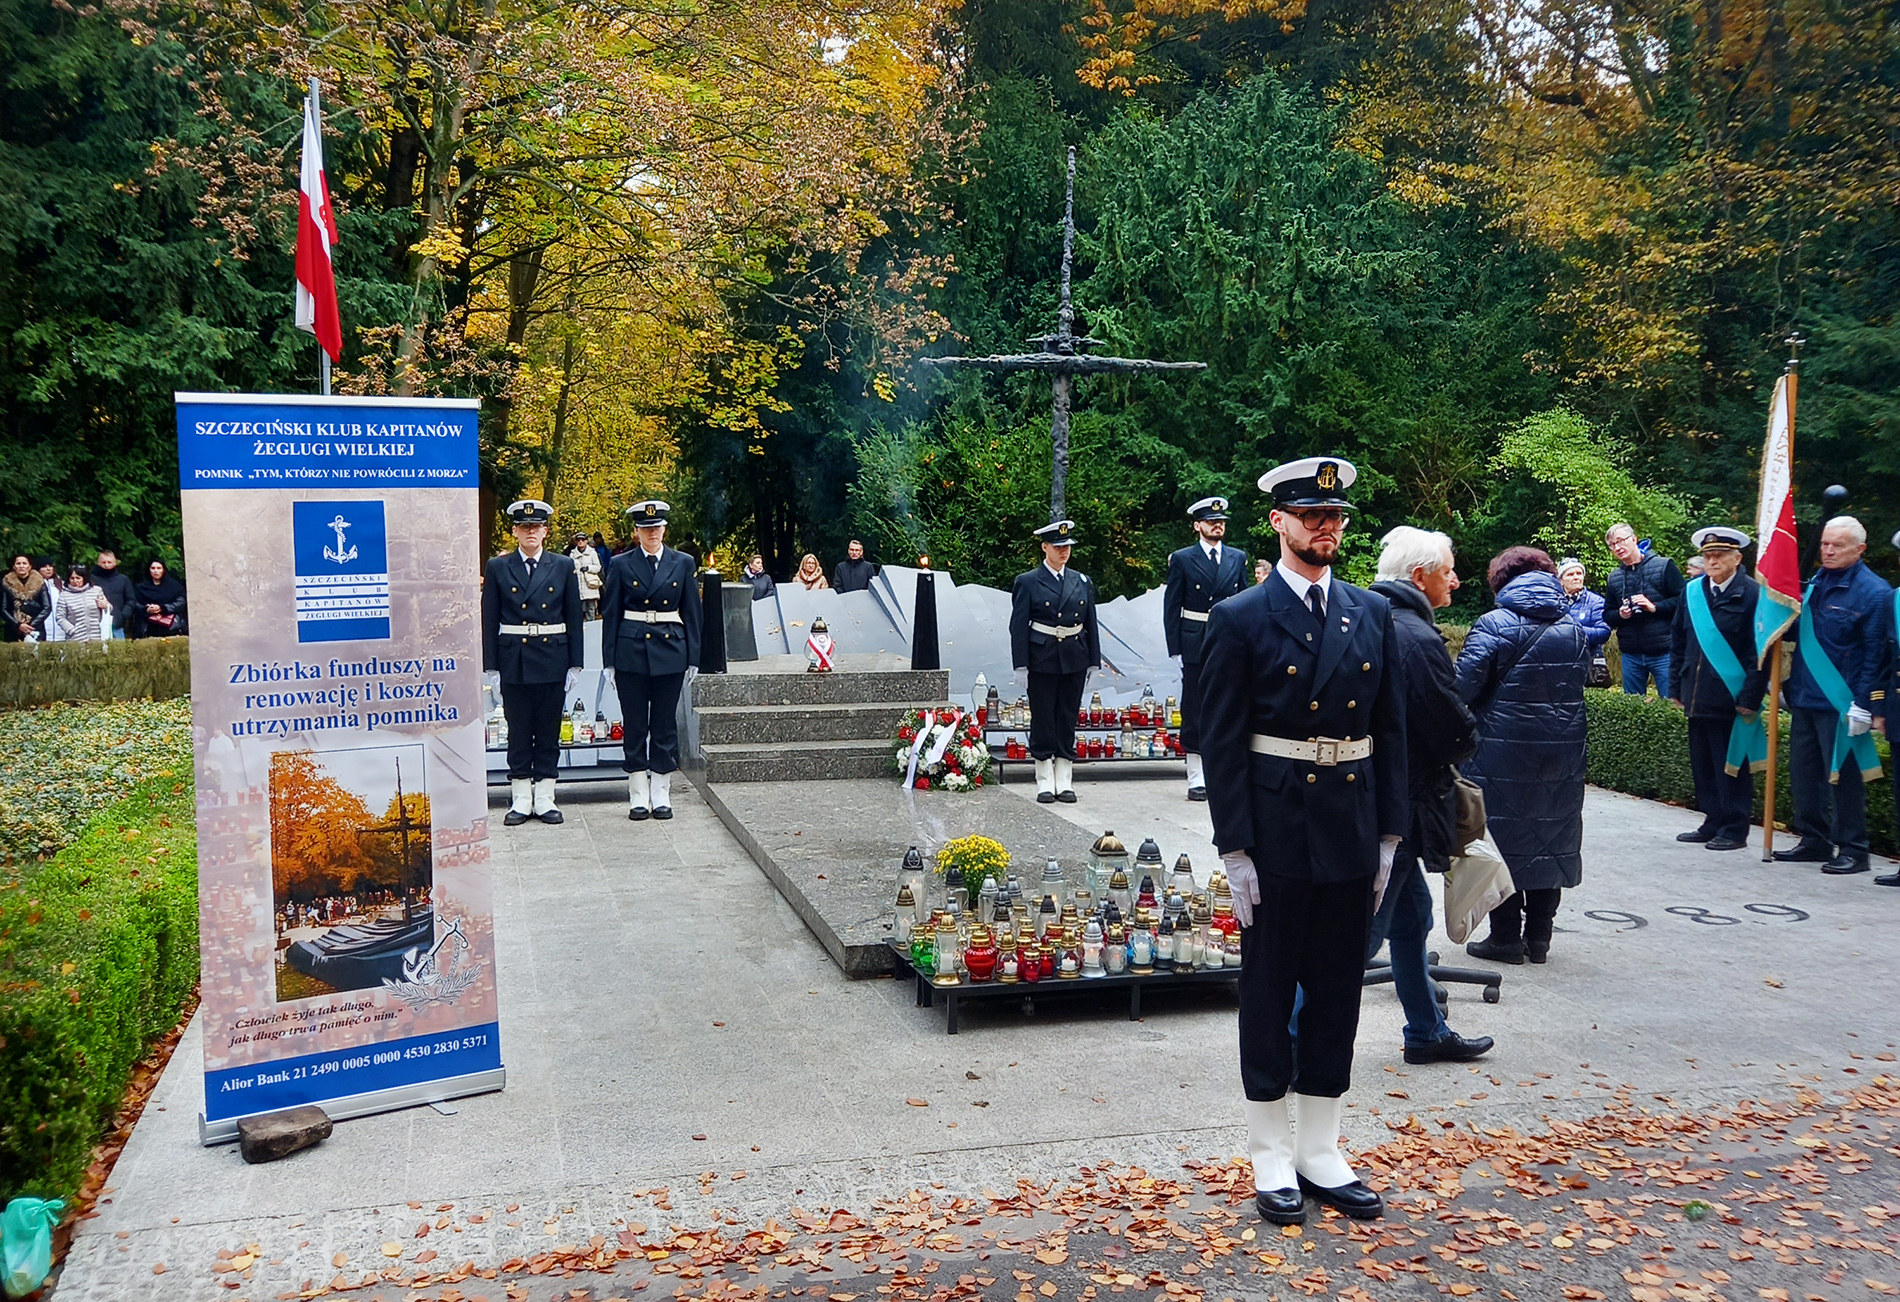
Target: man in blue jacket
x: 649, y: 638
x: 1640, y: 601
x: 1715, y: 677
x: 1055, y: 640
x: 1837, y: 692
x: 1199, y: 575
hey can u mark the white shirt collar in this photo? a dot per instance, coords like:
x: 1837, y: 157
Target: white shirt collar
x: 534, y: 559
x: 1211, y: 548
x: 1053, y: 570
x: 1300, y: 583
x: 1720, y: 588
x: 653, y: 556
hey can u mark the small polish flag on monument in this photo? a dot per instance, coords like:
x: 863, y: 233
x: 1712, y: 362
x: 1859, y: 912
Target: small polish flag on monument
x: 316, y: 239
x: 1777, y: 562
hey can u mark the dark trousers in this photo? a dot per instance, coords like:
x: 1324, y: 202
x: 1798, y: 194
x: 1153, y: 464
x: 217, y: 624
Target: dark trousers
x: 649, y: 721
x: 533, y: 711
x: 1190, y: 708
x: 1726, y: 802
x: 1308, y: 942
x: 1405, y: 919
x: 1529, y: 916
x: 1823, y: 810
x: 1053, y: 701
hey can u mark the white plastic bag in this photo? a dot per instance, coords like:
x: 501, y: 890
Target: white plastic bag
x: 1476, y: 883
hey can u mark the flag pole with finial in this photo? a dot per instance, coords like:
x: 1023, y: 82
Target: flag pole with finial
x: 1777, y: 567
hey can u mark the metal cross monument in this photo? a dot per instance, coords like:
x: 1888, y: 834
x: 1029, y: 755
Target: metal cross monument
x: 1064, y: 355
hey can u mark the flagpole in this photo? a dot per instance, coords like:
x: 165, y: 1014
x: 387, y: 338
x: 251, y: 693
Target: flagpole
x: 323, y: 356
x: 1792, y: 372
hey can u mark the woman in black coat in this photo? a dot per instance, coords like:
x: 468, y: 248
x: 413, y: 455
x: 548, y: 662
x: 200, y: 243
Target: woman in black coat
x: 1521, y: 672
x: 158, y: 604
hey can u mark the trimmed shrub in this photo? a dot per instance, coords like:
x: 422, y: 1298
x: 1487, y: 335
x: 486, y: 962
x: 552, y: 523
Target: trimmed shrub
x: 39, y: 673
x: 62, y: 764
x: 98, y: 953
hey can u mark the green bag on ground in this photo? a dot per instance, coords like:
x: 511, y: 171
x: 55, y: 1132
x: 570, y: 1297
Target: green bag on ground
x: 26, y: 1235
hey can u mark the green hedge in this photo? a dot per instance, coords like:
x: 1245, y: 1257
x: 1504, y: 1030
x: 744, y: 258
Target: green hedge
x: 1640, y: 745
x: 98, y: 954
x: 39, y: 673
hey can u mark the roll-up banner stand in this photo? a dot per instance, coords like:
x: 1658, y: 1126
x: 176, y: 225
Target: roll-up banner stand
x: 345, y: 906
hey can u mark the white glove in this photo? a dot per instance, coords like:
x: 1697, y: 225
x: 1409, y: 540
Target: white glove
x: 573, y: 676
x: 491, y: 679
x: 1388, y: 854
x: 1858, y: 721
x: 1244, y: 880
x: 607, y: 677
x: 1177, y: 660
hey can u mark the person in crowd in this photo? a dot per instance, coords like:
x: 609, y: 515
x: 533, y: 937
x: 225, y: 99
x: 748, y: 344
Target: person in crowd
x: 82, y: 614
x: 602, y: 550
x: 1719, y: 683
x: 109, y: 579
x: 1837, y: 692
x: 1694, y: 569
x: 649, y: 640
x: 1303, y: 727
x: 532, y: 652
x: 809, y: 575
x: 1584, y: 606
x: 762, y: 585
x: 28, y: 601
x: 1199, y: 575
x: 158, y: 603
x: 1261, y: 568
x: 1521, y: 672
x: 587, y: 571
x: 854, y: 573
x: 49, y: 575
x: 1639, y: 605
x: 1055, y: 642
x: 1417, y: 575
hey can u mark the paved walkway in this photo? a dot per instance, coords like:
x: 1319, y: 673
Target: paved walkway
x: 665, y: 1016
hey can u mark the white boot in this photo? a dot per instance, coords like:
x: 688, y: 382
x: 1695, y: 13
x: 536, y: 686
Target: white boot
x: 1270, y: 1144
x: 520, y: 805
x: 1045, y: 782
x: 544, y: 801
x: 1065, y: 781
x: 657, y: 786
x: 1197, y: 779
x: 637, y: 807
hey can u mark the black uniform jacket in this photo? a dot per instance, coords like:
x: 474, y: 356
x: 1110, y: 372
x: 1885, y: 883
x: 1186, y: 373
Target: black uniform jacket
x: 1269, y: 668
x: 1039, y: 597
x: 1193, y: 584
x: 554, y: 598
x: 633, y: 645
x: 1692, y: 679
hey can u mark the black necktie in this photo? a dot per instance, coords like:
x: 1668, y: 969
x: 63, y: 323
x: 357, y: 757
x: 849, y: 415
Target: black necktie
x: 1317, y: 603
x: 531, y: 560
x: 1214, y: 555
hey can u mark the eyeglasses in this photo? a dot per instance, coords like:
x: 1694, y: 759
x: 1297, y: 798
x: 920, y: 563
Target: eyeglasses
x: 1320, y: 516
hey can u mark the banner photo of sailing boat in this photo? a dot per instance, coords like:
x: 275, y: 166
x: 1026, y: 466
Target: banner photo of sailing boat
x: 351, y: 869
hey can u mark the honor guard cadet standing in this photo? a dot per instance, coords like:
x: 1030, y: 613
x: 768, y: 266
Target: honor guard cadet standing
x: 650, y: 612
x: 1052, y: 635
x: 1303, y: 729
x: 1198, y: 576
x: 531, y: 642
x: 1717, y: 680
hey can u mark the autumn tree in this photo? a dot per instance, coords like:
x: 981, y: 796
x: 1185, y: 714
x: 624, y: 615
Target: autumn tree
x: 315, y: 826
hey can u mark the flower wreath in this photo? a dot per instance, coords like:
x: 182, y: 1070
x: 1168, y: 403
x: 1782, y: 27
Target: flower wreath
x: 941, y: 747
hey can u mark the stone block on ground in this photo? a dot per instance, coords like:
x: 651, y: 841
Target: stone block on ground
x: 279, y: 1134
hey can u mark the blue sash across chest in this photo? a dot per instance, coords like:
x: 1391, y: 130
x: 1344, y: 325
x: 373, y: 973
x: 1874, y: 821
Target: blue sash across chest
x: 1747, y: 740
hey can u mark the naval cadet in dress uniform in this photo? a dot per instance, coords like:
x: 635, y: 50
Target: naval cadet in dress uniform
x: 1303, y: 730
x: 531, y: 643
x: 1198, y: 576
x: 650, y: 612
x: 1052, y: 635
x: 1716, y: 678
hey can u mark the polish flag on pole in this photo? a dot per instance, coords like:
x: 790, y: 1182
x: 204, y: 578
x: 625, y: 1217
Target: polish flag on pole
x: 316, y: 239
x: 1778, y: 563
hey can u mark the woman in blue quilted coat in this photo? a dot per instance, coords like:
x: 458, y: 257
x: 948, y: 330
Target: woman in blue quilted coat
x: 1521, y: 672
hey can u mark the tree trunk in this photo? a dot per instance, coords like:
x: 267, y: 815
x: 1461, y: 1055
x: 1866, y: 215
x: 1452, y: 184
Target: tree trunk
x: 559, y: 437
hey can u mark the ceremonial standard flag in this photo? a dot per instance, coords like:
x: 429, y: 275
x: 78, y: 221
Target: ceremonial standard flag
x: 316, y: 239
x: 1777, y: 562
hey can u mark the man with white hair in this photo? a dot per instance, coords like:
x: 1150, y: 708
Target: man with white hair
x: 1639, y: 604
x: 1417, y: 576
x: 1836, y: 691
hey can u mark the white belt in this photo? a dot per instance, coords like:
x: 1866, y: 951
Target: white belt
x: 653, y: 616
x: 1199, y: 615
x: 531, y: 630
x: 1324, y: 751
x: 1056, y: 631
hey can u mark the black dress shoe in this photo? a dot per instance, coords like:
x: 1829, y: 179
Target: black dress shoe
x: 552, y: 816
x: 1807, y: 850
x: 1888, y: 879
x: 1696, y: 837
x: 1726, y: 843
x: 514, y: 818
x: 1496, y: 951
x: 639, y: 815
x: 1045, y: 797
x: 1844, y: 865
x: 663, y: 811
x: 1066, y: 797
x: 1450, y: 1047
x: 1197, y: 793
x: 1280, y: 1206
x: 1354, y: 1199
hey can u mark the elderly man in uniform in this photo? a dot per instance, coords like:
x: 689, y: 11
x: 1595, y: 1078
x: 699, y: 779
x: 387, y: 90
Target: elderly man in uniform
x: 532, y: 650
x: 1053, y: 636
x: 1303, y: 728
x: 1198, y: 576
x: 1717, y: 680
x: 649, y: 639
x: 1837, y: 691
